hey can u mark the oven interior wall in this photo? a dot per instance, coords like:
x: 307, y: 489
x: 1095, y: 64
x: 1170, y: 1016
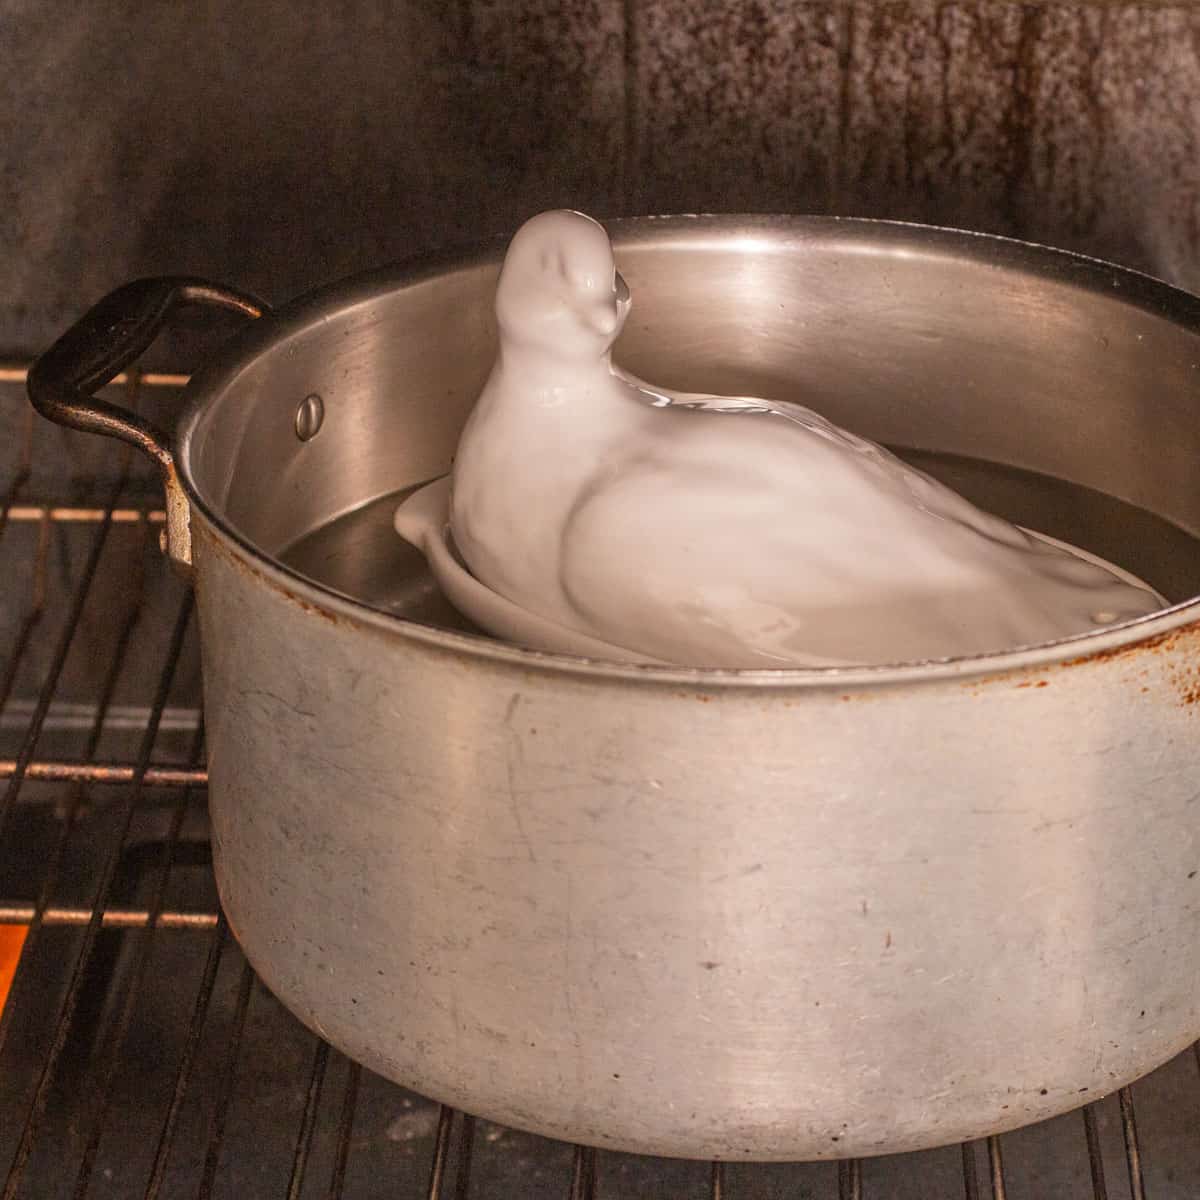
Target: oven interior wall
x: 276, y: 147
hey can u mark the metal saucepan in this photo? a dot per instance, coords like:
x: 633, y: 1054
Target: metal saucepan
x: 799, y: 914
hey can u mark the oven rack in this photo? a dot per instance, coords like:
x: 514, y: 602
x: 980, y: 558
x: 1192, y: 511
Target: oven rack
x: 92, y: 901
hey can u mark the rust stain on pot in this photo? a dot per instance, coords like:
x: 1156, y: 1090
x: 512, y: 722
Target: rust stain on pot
x: 308, y: 607
x: 1178, y: 652
x: 1154, y: 645
x: 1182, y: 644
x: 256, y: 576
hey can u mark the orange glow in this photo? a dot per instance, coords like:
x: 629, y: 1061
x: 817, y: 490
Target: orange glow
x: 12, y: 938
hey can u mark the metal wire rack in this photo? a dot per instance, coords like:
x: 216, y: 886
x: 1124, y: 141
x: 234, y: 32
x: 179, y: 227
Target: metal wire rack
x: 138, y: 1054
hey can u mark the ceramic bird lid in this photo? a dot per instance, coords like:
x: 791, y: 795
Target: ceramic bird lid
x: 589, y: 511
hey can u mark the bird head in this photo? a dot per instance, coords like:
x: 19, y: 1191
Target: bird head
x: 560, y: 292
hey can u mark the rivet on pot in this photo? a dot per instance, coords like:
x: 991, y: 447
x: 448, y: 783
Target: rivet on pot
x: 309, y: 416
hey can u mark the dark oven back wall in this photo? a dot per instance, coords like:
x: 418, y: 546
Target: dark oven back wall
x: 276, y: 146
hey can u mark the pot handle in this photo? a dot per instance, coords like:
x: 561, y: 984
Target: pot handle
x: 63, y: 381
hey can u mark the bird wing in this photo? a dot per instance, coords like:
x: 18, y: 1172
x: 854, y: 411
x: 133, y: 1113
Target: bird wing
x: 762, y: 546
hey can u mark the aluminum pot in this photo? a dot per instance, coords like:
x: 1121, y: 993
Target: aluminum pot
x: 739, y: 915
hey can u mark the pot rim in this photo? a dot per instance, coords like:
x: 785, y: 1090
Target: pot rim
x: 1067, y: 267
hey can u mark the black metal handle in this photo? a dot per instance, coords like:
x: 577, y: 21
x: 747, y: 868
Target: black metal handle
x: 63, y: 381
